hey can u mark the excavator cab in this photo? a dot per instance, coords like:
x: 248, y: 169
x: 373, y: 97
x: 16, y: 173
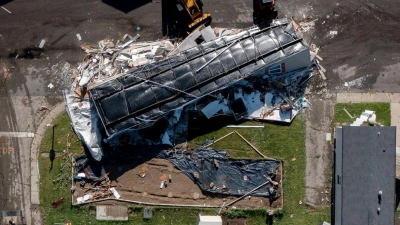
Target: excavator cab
x: 191, y: 12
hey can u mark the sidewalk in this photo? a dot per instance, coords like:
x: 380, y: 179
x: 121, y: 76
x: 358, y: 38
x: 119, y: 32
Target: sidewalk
x: 392, y: 98
x: 35, y: 176
x: 368, y: 97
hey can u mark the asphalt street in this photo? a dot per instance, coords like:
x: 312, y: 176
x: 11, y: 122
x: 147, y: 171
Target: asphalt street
x: 26, y: 71
x: 365, y: 47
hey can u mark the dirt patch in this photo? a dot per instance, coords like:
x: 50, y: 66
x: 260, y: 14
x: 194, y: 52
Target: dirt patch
x: 180, y: 191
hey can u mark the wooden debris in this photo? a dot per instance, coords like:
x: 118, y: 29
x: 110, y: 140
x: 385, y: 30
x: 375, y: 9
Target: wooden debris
x: 272, y: 181
x: 86, y: 47
x: 143, y: 172
x: 43, y: 107
x: 235, y: 132
x: 163, y: 177
x: 104, y: 177
x: 6, y: 9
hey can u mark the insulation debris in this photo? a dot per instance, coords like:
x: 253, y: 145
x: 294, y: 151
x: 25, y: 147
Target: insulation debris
x: 307, y: 25
x: 109, y: 59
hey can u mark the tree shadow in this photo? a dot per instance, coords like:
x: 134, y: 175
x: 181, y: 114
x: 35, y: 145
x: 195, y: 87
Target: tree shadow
x: 126, y: 6
x: 199, y: 125
x: 52, y: 153
x: 3, y: 2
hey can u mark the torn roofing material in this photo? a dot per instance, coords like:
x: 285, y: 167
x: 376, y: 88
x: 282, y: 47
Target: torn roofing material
x: 146, y: 94
x: 213, y: 171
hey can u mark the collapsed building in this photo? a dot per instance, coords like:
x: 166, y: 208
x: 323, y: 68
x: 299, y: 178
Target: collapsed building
x: 257, y: 74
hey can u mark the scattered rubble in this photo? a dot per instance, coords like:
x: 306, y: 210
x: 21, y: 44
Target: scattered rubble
x: 356, y: 83
x: 332, y: 33
x: 247, y: 78
x: 123, y: 88
x: 5, y: 9
x: 366, y: 116
x: 79, y: 37
x: 270, y: 93
x: 307, y: 25
x: 42, y: 43
x: 99, y: 189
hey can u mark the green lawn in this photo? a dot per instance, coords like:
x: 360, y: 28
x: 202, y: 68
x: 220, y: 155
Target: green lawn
x: 382, y: 111
x: 277, y: 141
x: 55, y: 180
x: 280, y: 141
x: 62, y: 127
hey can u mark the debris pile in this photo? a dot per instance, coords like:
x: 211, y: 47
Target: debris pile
x: 86, y: 170
x: 367, y: 116
x: 307, y: 24
x: 109, y: 59
x: 99, y: 189
x: 122, y: 90
x: 257, y: 73
x: 212, y: 170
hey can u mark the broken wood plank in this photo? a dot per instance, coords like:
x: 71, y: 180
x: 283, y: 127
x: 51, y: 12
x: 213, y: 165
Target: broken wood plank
x: 253, y: 146
x: 220, y: 139
x: 322, y: 74
x: 248, y: 193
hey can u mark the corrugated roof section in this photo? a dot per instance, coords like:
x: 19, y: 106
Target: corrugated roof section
x: 151, y: 91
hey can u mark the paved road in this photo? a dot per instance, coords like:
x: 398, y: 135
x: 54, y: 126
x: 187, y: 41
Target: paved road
x: 365, y: 47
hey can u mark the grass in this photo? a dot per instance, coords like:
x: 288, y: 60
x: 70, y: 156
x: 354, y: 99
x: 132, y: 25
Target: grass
x: 55, y: 178
x: 62, y: 127
x: 277, y: 141
x: 382, y: 111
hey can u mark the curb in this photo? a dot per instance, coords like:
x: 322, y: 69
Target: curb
x: 35, y: 175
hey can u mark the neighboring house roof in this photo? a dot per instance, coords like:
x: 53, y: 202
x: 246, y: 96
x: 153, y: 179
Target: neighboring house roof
x: 364, y: 166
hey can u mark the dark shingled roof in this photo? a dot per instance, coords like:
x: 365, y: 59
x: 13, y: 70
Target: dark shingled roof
x: 368, y: 166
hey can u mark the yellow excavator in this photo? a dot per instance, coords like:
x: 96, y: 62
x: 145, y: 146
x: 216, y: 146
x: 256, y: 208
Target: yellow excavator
x: 191, y: 12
